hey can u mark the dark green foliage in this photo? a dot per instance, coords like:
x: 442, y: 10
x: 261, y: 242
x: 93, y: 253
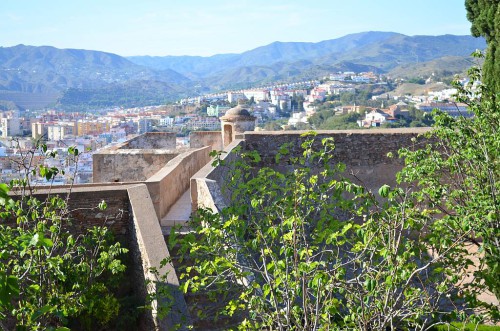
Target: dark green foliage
x: 416, y: 80
x: 340, y: 122
x: 131, y: 94
x: 485, y: 18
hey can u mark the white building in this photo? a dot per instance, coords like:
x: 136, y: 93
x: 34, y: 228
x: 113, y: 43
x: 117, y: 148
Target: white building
x: 166, y: 121
x: 235, y: 96
x: 317, y: 94
x: 258, y: 95
x: 281, y: 100
x: 375, y: 118
x: 10, y: 126
x: 296, y: 118
x: 60, y: 130
x: 204, y: 122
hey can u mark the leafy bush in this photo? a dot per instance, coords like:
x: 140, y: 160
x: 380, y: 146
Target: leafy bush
x: 307, y: 249
x: 49, y: 276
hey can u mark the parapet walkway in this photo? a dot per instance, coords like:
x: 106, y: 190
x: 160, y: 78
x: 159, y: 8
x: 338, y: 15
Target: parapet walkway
x: 179, y: 213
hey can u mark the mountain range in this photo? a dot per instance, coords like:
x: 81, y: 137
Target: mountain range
x: 34, y: 77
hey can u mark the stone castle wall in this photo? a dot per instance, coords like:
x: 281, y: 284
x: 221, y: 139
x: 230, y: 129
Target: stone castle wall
x: 152, y: 140
x: 352, y: 147
x: 198, y: 139
x: 365, y: 153
x: 129, y: 166
x: 82, y: 204
x: 172, y: 181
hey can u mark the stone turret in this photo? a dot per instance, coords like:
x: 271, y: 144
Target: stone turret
x: 236, y: 121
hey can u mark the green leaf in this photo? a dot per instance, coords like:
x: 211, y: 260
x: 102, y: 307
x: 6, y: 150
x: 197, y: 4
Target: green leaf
x: 34, y: 240
x: 40, y: 312
x: 384, y: 191
x: 102, y: 205
x: 9, y: 288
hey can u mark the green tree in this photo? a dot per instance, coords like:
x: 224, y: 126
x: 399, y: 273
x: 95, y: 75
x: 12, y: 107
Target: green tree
x: 50, y: 278
x: 298, y: 102
x: 273, y: 126
x: 306, y: 249
x: 458, y: 181
x: 302, y: 126
x: 348, y: 98
x: 485, y: 18
x: 340, y: 122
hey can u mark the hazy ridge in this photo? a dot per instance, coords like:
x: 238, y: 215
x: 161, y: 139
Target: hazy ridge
x: 35, y: 77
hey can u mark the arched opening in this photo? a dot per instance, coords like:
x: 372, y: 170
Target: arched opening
x: 228, y: 134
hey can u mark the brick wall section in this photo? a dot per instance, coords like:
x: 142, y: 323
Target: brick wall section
x: 83, y: 202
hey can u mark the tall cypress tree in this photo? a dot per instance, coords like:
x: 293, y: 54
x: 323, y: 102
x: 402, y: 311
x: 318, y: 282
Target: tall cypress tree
x: 485, y: 18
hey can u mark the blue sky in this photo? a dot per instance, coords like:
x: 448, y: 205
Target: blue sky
x: 207, y: 27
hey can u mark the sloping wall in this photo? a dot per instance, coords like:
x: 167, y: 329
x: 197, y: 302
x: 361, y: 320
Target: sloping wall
x: 149, y: 252
x: 170, y: 183
x: 206, y: 185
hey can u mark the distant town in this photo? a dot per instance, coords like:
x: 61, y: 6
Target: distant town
x: 340, y: 101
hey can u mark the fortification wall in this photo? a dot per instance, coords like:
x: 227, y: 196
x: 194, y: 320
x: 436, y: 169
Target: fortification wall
x: 148, y: 250
x: 207, y: 184
x: 170, y: 183
x: 129, y: 165
x: 352, y: 147
x: 83, y: 202
x: 365, y: 153
x: 131, y: 216
x: 152, y: 140
x: 198, y: 139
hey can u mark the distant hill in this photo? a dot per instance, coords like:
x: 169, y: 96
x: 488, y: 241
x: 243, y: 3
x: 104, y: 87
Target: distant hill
x: 242, y: 77
x: 401, y: 49
x: 202, y: 67
x: 445, y: 66
x: 45, y: 73
x: 34, y: 77
x: 379, y: 52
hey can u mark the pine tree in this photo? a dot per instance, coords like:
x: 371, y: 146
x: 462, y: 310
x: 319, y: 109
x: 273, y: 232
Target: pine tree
x: 485, y: 18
